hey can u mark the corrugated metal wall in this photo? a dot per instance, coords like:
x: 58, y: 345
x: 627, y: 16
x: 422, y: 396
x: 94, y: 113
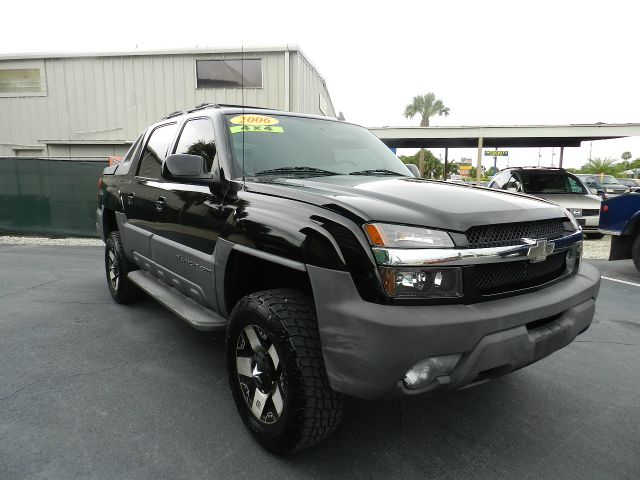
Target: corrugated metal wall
x: 307, y: 88
x: 113, y: 98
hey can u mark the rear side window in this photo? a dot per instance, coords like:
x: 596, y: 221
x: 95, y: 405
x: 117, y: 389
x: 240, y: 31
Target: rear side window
x: 501, y: 179
x: 513, y: 184
x: 133, y: 152
x: 156, y: 150
x: 197, y: 138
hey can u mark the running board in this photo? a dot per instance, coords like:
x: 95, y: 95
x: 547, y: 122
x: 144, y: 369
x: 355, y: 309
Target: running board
x: 199, y: 317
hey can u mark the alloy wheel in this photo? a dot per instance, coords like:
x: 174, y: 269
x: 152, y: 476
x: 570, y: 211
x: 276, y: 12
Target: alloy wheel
x: 113, y: 270
x: 260, y: 374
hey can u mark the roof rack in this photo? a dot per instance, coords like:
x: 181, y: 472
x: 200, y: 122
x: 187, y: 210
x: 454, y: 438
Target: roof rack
x: 173, y: 114
x: 244, y: 106
x: 534, y: 167
x: 202, y: 106
x: 221, y: 105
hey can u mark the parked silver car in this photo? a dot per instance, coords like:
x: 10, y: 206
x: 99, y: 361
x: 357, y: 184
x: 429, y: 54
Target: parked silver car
x: 558, y: 186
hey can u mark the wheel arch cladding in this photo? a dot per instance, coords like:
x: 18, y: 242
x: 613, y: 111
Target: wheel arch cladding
x: 245, y: 274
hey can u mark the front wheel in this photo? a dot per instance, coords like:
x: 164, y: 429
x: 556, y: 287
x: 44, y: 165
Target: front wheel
x: 635, y: 252
x: 276, y: 371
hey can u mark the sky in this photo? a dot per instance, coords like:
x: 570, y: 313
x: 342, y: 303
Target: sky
x: 491, y: 62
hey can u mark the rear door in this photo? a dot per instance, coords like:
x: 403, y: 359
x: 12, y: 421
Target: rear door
x: 140, y: 196
x: 188, y: 224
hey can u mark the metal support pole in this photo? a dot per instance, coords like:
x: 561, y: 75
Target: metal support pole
x: 446, y: 163
x: 561, y: 155
x: 479, y: 163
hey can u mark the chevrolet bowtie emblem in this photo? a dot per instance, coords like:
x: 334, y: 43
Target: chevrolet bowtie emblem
x: 539, y: 249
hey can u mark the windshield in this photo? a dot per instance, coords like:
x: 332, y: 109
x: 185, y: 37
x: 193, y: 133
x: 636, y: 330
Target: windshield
x: 551, y: 183
x: 608, y: 180
x: 281, y: 145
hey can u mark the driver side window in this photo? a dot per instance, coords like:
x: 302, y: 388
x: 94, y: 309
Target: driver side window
x: 197, y: 138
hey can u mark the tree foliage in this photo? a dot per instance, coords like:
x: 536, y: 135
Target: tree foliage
x: 432, y: 164
x: 604, y: 165
x: 626, y: 156
x: 426, y: 106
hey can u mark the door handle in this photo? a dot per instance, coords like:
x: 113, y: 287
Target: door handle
x: 160, y: 203
x: 130, y: 198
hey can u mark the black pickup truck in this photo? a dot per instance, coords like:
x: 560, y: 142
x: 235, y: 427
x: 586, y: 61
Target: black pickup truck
x: 333, y: 270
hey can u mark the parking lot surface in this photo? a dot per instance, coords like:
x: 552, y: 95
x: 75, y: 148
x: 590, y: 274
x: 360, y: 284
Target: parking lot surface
x: 92, y: 389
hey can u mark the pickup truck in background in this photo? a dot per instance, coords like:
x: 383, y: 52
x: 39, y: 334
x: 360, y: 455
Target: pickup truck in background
x: 332, y: 270
x: 620, y: 218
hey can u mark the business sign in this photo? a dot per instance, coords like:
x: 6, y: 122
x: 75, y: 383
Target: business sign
x: 496, y: 153
x: 465, y: 167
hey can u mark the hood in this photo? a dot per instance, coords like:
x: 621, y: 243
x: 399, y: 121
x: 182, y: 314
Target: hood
x: 572, y: 200
x: 410, y: 201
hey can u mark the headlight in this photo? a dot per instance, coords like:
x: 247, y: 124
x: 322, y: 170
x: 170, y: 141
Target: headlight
x: 402, y: 236
x: 419, y: 282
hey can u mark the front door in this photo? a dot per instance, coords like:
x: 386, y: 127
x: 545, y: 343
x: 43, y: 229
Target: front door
x: 187, y: 221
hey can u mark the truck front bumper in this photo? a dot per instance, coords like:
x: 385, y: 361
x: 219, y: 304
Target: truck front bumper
x: 368, y: 348
x: 590, y: 223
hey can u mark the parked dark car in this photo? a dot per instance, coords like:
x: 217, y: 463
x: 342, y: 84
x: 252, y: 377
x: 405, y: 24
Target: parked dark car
x: 332, y: 270
x: 632, y: 183
x: 603, y: 185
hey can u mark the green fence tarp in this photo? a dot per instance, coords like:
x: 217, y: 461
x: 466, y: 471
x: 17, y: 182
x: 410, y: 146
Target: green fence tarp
x: 41, y: 196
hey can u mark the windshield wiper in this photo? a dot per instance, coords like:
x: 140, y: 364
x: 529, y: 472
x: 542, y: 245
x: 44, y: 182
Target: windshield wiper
x: 297, y: 170
x: 377, y: 171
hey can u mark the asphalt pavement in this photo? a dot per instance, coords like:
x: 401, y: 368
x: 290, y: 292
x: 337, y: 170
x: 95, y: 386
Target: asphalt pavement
x: 91, y: 389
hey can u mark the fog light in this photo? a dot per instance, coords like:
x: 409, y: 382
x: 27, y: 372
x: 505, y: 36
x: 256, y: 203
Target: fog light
x: 572, y: 259
x: 426, y: 371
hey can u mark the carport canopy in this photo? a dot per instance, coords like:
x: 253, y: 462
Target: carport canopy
x: 502, y: 136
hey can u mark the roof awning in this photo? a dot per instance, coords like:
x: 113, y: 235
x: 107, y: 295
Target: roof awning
x: 502, y: 136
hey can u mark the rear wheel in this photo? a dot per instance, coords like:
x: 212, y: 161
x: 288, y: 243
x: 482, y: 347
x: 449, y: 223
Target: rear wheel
x: 117, y: 267
x: 276, y: 371
x: 635, y: 252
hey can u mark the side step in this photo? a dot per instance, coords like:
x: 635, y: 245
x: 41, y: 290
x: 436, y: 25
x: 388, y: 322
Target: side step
x: 199, y: 317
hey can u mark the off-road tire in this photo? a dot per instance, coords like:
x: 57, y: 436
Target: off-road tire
x: 122, y: 291
x: 310, y: 409
x: 635, y: 252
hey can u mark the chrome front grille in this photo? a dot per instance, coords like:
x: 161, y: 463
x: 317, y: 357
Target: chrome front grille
x: 504, y: 234
x: 590, y: 212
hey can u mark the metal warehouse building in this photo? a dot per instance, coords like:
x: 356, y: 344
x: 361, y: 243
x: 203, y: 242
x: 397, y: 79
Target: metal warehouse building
x: 97, y: 104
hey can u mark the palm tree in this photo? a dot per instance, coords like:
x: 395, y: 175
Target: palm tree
x: 626, y: 156
x: 603, y: 166
x: 426, y: 106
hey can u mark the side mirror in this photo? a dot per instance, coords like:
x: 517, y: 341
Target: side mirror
x: 186, y: 168
x: 413, y: 169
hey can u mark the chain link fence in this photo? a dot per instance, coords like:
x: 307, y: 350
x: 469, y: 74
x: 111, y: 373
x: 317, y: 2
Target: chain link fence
x: 54, y: 196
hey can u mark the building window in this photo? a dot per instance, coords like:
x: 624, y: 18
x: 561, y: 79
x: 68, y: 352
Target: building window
x: 21, y: 80
x: 229, y: 73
